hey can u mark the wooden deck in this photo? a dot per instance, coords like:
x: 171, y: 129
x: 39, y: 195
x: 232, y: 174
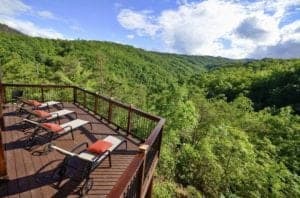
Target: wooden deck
x: 30, y: 172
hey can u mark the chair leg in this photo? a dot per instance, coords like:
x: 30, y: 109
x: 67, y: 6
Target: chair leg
x: 87, y: 186
x: 72, y: 135
x: 109, y: 159
x: 31, y: 139
x: 125, y: 144
x: 48, y: 107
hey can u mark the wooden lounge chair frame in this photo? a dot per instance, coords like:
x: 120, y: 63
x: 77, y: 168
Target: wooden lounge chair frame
x: 93, y: 160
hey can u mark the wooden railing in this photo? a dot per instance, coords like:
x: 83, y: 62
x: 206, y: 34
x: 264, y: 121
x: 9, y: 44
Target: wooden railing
x: 137, y: 179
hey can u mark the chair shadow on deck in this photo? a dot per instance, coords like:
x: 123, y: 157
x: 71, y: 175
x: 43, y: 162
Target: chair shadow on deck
x: 12, y: 113
x: 41, y: 140
x: 31, y: 182
x: 20, y: 127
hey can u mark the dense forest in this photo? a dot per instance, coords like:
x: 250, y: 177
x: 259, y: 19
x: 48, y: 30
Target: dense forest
x: 233, y: 126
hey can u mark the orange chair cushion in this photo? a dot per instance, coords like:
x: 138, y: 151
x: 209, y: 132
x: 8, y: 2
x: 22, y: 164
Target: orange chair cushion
x: 99, y: 147
x: 34, y: 103
x: 52, y: 127
x: 42, y: 114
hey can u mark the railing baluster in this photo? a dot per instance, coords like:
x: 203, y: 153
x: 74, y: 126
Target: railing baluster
x: 110, y: 109
x: 42, y: 91
x: 4, y: 95
x: 74, y: 95
x: 84, y: 99
x: 129, y: 119
x: 96, y: 104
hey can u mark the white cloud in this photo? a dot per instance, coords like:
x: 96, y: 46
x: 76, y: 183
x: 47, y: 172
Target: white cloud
x: 9, y: 11
x: 195, y: 28
x: 141, y: 22
x: 291, y: 32
x: 130, y: 36
x: 201, y: 28
x: 46, y: 14
x: 12, y: 7
x: 30, y: 28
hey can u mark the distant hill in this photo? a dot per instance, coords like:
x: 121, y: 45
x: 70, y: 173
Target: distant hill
x: 193, y: 61
x: 120, y: 63
x: 7, y: 29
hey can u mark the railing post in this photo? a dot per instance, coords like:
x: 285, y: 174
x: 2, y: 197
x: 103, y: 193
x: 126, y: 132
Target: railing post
x: 110, y: 109
x: 143, y: 148
x: 43, y: 97
x: 129, y: 119
x: 160, y: 139
x: 74, y: 94
x: 149, y: 191
x: 96, y: 104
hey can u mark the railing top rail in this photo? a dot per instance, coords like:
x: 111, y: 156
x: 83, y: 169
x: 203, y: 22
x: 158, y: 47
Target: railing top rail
x: 115, y: 102
x: 125, y: 106
x: 37, y: 85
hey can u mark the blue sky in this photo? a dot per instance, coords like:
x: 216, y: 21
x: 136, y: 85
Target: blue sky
x: 228, y: 28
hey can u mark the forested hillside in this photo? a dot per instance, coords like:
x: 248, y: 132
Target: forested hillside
x: 233, y: 127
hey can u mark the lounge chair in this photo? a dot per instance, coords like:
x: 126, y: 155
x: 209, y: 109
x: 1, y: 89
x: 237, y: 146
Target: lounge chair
x: 53, y: 130
x: 44, y: 116
x: 37, y: 105
x: 93, y: 155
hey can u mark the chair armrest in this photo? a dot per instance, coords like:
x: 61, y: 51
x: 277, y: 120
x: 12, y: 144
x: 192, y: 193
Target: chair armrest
x: 61, y: 150
x: 55, y: 118
x: 68, y: 126
x: 96, y: 158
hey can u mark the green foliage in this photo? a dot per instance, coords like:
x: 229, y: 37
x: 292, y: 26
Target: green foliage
x: 164, y: 189
x: 231, y: 131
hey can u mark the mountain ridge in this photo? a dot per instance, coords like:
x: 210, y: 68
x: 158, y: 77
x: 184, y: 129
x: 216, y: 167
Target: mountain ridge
x: 194, y: 59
